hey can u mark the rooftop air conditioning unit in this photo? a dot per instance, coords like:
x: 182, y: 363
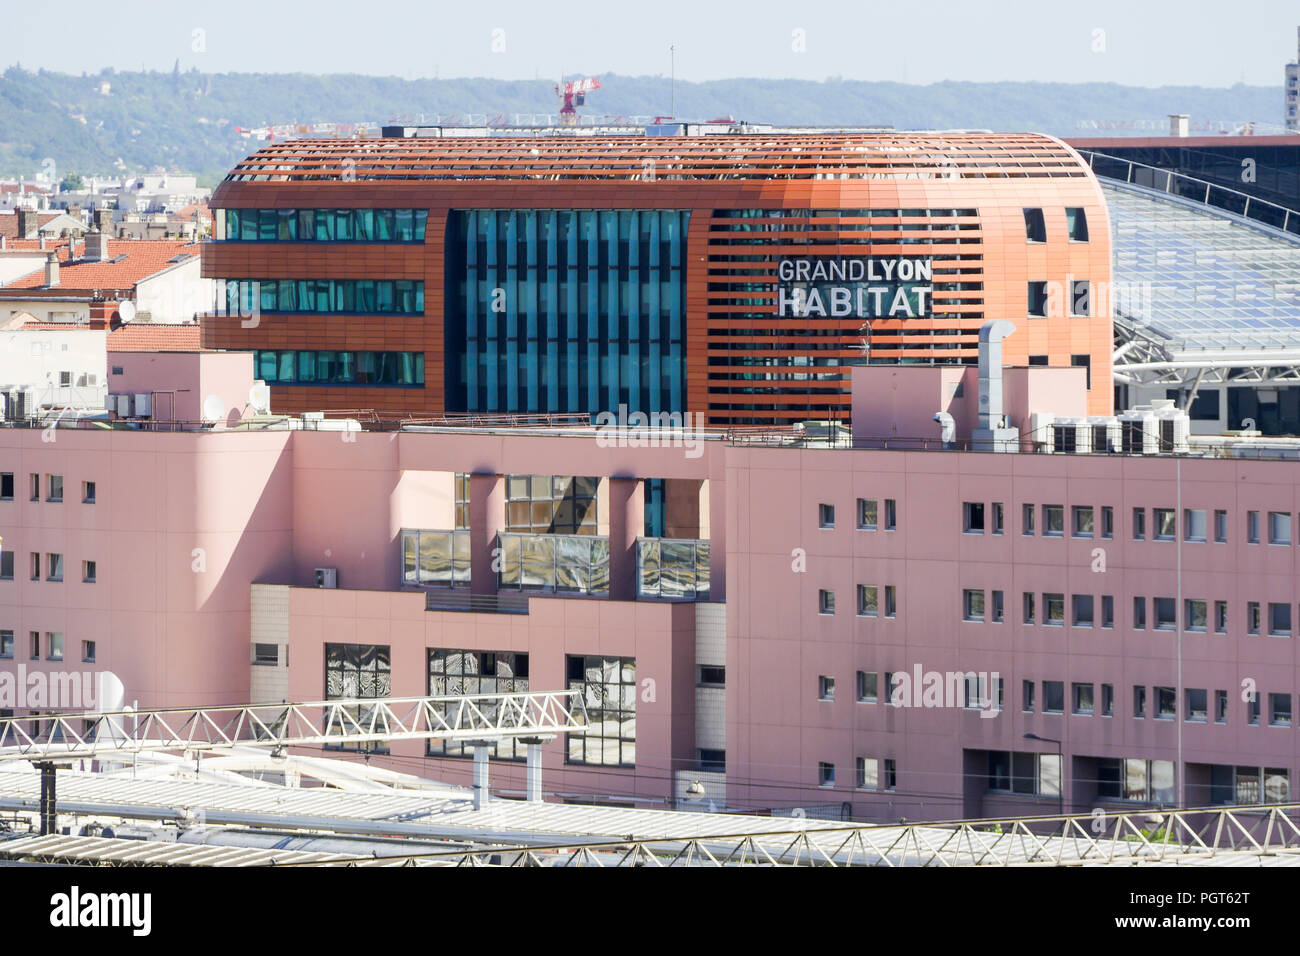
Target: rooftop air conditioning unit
x: 143, y: 405
x: 1173, y: 427
x: 1139, y: 434
x: 1071, y: 436
x: 1107, y: 435
x: 1040, y: 430
x: 125, y: 405
x: 327, y: 577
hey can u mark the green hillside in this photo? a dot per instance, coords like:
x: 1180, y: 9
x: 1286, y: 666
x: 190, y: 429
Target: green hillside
x: 186, y: 121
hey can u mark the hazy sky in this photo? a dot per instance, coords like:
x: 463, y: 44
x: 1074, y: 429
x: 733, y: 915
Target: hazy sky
x: 1142, y: 42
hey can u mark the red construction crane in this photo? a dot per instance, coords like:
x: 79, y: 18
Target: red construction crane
x: 574, y: 94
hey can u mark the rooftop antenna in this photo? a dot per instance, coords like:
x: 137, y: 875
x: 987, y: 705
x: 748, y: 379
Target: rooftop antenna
x: 672, y: 81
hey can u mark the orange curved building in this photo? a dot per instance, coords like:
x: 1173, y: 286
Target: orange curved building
x: 734, y: 275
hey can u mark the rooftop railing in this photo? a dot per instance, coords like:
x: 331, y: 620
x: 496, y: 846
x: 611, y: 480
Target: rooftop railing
x: 1195, y: 190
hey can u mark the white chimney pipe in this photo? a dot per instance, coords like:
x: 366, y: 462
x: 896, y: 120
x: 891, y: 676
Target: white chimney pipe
x: 990, y: 372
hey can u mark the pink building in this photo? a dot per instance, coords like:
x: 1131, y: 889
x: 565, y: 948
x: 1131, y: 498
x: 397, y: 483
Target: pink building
x: 750, y: 651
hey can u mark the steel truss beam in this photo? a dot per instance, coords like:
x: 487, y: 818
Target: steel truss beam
x: 66, y: 737
x: 1137, y: 838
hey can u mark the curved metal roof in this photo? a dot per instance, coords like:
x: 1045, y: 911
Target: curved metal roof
x: 630, y: 158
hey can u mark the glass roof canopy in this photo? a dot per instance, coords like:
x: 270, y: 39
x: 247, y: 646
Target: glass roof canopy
x: 1200, y: 279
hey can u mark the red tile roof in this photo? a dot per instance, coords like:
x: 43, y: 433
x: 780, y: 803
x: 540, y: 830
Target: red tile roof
x: 141, y: 258
x: 154, y: 337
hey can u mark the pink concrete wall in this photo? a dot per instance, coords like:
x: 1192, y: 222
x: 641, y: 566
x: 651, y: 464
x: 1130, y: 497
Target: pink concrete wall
x: 659, y: 637
x: 891, y: 401
x: 778, y: 643
x: 171, y: 621
x: 194, y: 376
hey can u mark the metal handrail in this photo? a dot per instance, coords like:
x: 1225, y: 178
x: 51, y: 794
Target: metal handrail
x: 1170, y: 174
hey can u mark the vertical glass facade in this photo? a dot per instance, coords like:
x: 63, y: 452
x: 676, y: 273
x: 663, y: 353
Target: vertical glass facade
x: 566, y: 311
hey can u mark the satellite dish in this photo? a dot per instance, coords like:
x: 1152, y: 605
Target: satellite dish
x: 126, y: 311
x: 259, y: 396
x: 214, y: 409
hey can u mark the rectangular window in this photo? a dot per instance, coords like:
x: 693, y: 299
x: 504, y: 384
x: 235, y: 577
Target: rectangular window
x: 997, y: 517
x: 1252, y: 527
x: 1220, y: 617
x: 355, y: 672
x: 1220, y: 526
x: 1107, y: 521
x: 53, y: 567
x: 1195, y: 704
x: 1252, y: 617
x: 997, y: 607
x: 1027, y: 696
x: 1139, y: 524
x: 891, y: 515
x: 1054, y: 520
x: 1035, y: 226
x: 867, y: 514
x: 6, y: 644
x: 868, y: 687
x: 708, y: 675
x: 972, y: 605
x: 1195, y: 615
x: 1279, y: 619
x: 88, y: 571
x: 1166, y: 523
x: 1279, y: 527
x: 1166, y: 702
x: 6, y: 486
x: 1080, y: 298
x: 608, y: 684
x: 868, y: 772
x: 266, y: 655
x: 1082, y: 608
x: 1279, y: 710
x: 825, y: 774
x: 1027, y: 601
x: 1076, y: 223
x: 34, y: 645
x: 972, y: 517
x: 1053, y: 697
x: 825, y: 688
x: 54, y: 488
x: 88, y: 652
x: 1139, y: 701
x: 1107, y: 610
x: 825, y: 602
x: 1082, y: 521
x: 1027, y: 519
x: 711, y: 761
x: 454, y: 671
x: 1165, y: 613
x: 1252, y: 709
x: 6, y: 565
x: 36, y: 487
x: 1139, y: 613
x: 891, y: 773
x: 1193, y: 524
x: 88, y: 492
x: 1054, y: 610
x: 1082, y: 699
x: 1037, y: 303
x: 891, y: 600
x: 868, y: 600
x: 1108, y: 700
x: 53, y: 646
x: 1220, y: 706
x: 826, y: 516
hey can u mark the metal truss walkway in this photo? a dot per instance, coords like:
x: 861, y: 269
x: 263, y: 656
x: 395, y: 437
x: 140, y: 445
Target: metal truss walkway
x: 66, y: 737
